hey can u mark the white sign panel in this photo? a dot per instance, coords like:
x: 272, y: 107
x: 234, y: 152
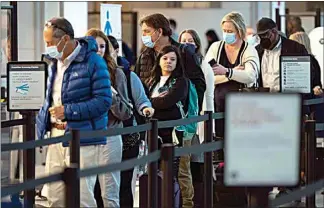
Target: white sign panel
x: 295, y: 74
x: 111, y: 22
x: 26, y: 85
x: 263, y: 133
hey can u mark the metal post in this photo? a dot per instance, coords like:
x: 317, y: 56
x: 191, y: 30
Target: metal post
x: 318, y: 17
x: 153, y: 167
x: 71, y: 173
x: 167, y: 154
x: 29, y: 157
x: 278, y: 19
x: 310, y: 164
x: 208, y: 163
x: 286, y: 20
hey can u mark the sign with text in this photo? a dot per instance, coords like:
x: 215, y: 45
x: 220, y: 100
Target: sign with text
x: 295, y: 74
x: 26, y: 85
x: 263, y: 133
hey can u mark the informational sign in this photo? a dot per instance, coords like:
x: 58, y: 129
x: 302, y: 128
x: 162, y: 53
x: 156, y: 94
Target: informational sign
x: 111, y: 22
x: 26, y: 85
x: 317, y: 45
x: 295, y: 74
x: 263, y: 133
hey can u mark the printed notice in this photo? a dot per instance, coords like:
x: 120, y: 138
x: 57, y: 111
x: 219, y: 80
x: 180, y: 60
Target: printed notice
x: 26, y: 86
x: 262, y: 139
x: 295, y: 74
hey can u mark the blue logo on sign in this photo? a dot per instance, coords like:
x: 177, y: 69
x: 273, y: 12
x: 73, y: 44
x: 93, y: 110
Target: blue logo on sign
x: 23, y: 89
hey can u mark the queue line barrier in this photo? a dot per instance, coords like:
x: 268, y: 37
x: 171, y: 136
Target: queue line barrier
x: 72, y: 174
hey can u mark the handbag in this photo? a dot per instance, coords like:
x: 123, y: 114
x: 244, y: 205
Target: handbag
x: 130, y: 140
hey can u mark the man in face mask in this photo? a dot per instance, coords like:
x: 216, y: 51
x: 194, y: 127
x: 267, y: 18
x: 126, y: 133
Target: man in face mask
x: 78, y: 97
x: 271, y: 46
x: 156, y: 34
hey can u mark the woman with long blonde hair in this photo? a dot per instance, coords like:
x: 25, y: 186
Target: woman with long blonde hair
x: 119, y: 111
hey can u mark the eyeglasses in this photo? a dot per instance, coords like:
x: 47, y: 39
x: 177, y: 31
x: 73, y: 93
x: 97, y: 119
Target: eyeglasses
x: 51, y: 24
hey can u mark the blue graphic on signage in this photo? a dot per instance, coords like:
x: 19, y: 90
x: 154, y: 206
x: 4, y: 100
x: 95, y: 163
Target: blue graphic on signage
x: 108, y: 29
x: 23, y: 89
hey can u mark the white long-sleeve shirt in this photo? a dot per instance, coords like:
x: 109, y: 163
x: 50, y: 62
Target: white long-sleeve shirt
x: 208, y: 102
x: 249, y: 59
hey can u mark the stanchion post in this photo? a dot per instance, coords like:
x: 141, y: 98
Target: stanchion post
x: 167, y: 154
x: 29, y: 157
x: 153, y: 167
x: 72, y: 173
x: 310, y: 164
x: 286, y: 20
x: 208, y: 162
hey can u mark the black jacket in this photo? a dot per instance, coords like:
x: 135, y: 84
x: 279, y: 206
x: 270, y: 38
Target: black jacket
x: 316, y: 72
x: 190, y: 62
x: 165, y: 107
x: 288, y: 47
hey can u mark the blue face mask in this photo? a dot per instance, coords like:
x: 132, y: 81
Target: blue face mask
x: 229, y: 38
x: 147, y: 41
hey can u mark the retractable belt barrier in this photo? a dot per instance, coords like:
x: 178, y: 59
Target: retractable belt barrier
x: 128, y: 164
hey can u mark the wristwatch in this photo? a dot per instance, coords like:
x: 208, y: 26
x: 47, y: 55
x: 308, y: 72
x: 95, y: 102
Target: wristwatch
x: 228, y: 72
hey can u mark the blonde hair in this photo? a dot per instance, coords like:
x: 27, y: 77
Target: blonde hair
x: 238, y: 21
x: 302, y: 38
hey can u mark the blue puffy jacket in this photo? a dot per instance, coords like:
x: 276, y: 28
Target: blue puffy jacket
x: 86, y: 94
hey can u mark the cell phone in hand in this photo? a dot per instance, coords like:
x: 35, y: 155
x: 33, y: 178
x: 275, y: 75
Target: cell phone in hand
x: 114, y: 91
x: 212, y: 63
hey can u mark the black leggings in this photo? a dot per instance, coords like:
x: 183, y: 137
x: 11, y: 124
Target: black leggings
x: 125, y: 193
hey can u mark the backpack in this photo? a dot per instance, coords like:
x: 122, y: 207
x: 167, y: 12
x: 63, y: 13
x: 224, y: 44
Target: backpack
x: 131, y: 140
x: 189, y: 130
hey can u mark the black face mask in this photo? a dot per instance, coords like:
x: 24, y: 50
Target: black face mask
x: 265, y: 43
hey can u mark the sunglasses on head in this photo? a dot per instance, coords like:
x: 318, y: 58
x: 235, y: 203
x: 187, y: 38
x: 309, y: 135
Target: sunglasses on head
x: 51, y: 24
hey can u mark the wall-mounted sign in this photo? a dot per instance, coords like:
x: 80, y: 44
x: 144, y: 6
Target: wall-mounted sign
x: 111, y: 22
x: 295, y: 74
x: 26, y: 85
x: 263, y: 134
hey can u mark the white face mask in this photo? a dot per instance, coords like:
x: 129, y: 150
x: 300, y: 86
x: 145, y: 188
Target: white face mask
x: 252, y: 39
x: 53, y: 52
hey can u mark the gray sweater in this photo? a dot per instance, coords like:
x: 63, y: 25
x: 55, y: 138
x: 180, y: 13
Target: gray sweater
x: 121, y: 108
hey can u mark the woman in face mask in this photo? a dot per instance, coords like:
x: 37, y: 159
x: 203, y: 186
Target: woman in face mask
x: 236, y: 63
x: 119, y: 111
x: 191, y: 37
